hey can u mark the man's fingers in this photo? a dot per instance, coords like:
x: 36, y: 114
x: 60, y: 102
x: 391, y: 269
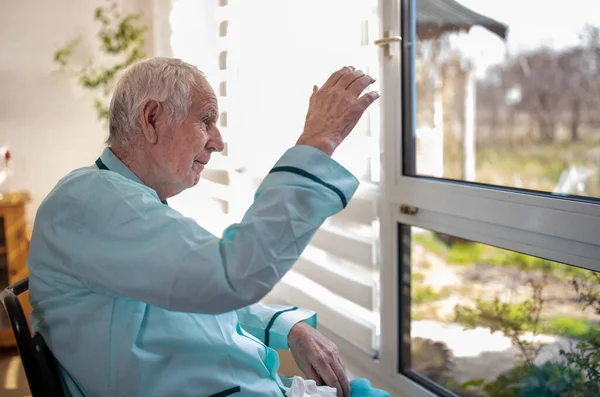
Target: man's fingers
x: 349, y: 78
x: 336, y: 76
x: 330, y: 378
x: 366, y: 100
x: 334, y: 109
x: 311, y: 373
x: 359, y: 85
x: 313, y: 95
x: 340, y: 371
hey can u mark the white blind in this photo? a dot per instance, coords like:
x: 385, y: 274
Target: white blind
x: 197, y: 36
x: 277, y: 50
x: 266, y: 57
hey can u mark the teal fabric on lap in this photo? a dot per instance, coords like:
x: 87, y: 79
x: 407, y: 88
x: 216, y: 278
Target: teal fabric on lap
x: 362, y: 388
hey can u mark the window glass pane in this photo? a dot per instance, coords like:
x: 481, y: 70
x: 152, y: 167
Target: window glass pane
x: 508, y: 93
x: 491, y: 322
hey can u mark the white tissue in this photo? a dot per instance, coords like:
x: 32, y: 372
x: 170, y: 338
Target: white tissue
x: 308, y: 388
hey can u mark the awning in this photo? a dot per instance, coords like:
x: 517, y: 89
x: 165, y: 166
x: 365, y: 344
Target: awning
x: 436, y: 17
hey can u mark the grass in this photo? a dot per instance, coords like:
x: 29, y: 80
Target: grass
x: 538, y: 167
x: 533, y: 165
x: 431, y: 244
x: 424, y: 295
x: 477, y: 253
x: 571, y: 327
x: 464, y: 254
x: 417, y: 277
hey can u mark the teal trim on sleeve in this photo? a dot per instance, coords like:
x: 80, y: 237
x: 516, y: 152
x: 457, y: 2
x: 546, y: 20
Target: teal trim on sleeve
x: 301, y: 172
x: 228, y: 392
x: 285, y: 322
x: 268, y: 328
x: 311, y: 168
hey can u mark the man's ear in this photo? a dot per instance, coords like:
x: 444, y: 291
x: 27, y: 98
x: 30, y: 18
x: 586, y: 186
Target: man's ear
x: 148, y: 117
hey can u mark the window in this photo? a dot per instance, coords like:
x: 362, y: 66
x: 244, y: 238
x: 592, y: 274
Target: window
x: 486, y: 319
x: 483, y: 163
x: 492, y: 199
x: 508, y: 103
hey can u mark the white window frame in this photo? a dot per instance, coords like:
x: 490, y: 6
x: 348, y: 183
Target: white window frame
x: 559, y: 229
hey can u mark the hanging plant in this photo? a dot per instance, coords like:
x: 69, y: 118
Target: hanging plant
x: 122, y: 37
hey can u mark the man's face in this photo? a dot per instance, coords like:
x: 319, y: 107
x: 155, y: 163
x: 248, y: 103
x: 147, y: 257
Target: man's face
x: 185, y: 149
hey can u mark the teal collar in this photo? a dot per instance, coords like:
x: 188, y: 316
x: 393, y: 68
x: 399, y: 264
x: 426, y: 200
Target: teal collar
x: 109, y: 162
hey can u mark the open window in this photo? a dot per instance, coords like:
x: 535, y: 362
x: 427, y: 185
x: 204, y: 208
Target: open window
x: 491, y: 202
x: 479, y: 169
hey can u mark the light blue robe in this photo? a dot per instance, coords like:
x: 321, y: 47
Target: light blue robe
x: 135, y: 299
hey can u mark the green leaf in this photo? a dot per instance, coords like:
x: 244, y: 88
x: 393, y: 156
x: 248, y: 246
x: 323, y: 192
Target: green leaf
x: 471, y: 383
x: 121, y: 37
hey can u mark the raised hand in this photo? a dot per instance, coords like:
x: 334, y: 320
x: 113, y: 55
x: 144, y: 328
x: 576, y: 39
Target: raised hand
x: 335, y: 108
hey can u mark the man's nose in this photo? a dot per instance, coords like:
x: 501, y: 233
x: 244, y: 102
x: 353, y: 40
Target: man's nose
x: 215, y: 143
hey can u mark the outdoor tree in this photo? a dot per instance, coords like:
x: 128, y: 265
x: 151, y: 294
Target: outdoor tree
x: 579, y: 85
x: 554, y: 86
x: 536, y: 76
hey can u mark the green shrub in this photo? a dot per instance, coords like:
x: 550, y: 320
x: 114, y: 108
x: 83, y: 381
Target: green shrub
x: 465, y: 253
x: 546, y: 380
x: 431, y: 243
x: 571, y: 327
x: 424, y: 295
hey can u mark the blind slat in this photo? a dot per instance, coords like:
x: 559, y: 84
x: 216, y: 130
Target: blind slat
x: 349, y: 280
x: 336, y: 313
x: 345, y: 244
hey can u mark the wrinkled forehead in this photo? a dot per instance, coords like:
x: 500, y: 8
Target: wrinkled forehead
x: 203, y: 94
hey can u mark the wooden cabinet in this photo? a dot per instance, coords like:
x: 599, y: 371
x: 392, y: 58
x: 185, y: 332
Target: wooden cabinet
x: 14, y: 244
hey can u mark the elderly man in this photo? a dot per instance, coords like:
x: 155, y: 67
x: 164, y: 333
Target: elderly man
x: 134, y: 299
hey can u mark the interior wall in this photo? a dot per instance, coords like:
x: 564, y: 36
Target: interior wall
x: 47, y: 120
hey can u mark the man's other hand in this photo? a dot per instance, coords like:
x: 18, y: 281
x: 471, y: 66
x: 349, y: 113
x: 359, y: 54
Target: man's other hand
x: 335, y: 108
x: 318, y: 358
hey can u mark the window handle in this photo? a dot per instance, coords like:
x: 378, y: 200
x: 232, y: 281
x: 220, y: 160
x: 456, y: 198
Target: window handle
x: 408, y: 209
x: 386, y: 41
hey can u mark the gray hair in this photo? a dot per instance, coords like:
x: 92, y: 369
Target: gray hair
x: 166, y: 80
